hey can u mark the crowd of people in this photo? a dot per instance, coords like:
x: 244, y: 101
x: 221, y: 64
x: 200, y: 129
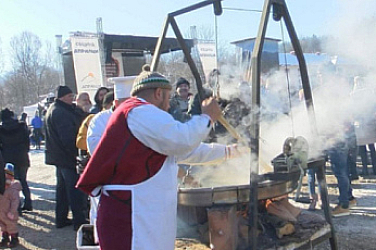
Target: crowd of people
x: 122, y: 154
x: 131, y: 145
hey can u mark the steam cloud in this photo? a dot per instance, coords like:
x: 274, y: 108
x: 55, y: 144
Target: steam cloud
x: 336, y: 102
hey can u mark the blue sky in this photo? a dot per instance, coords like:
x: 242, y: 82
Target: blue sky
x: 145, y: 17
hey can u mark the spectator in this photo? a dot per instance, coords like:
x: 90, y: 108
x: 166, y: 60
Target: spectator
x: 363, y: 152
x: 81, y: 140
x: 338, y: 155
x: 314, y: 198
x: 365, y: 122
x: 123, y: 86
x: 98, y: 98
x: 83, y: 101
x: 37, y: 124
x: 179, y: 103
x: 82, y: 132
x: 23, y: 117
x: 14, y: 146
x: 62, y: 123
x: 8, y: 209
x: 135, y: 162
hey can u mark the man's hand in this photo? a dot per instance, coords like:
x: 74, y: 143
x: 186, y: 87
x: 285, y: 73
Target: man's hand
x: 211, y: 108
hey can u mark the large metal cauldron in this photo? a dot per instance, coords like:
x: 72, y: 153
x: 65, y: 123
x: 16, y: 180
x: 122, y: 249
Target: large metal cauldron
x: 271, y: 185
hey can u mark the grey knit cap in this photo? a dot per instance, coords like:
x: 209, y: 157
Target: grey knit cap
x: 149, y: 80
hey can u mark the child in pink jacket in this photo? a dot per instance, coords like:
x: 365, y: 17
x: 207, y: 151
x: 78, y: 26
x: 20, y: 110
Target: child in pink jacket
x: 9, y: 203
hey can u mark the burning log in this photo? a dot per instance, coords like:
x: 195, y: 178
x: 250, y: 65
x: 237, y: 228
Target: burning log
x: 282, y: 209
x: 283, y: 216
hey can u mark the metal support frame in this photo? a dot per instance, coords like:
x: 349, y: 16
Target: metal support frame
x: 320, y: 173
x: 171, y: 20
x: 279, y: 11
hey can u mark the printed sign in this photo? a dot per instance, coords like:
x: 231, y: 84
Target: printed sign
x: 208, y: 56
x: 87, y: 64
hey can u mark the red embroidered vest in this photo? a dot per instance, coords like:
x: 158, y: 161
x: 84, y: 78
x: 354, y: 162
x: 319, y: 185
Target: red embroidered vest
x: 120, y: 158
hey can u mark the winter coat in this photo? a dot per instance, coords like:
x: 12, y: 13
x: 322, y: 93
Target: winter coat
x: 82, y: 133
x: 9, y: 202
x: 14, y: 142
x: 62, y: 124
x: 179, y: 108
x: 37, y: 122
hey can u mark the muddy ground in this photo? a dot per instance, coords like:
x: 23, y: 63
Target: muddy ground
x: 37, y: 228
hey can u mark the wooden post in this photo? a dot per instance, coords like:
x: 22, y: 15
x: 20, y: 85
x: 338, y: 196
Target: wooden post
x: 223, y: 227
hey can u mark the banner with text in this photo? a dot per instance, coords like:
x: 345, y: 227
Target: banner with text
x: 87, y: 64
x: 208, y: 56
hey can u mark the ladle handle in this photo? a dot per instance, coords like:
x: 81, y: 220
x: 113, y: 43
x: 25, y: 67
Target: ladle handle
x: 230, y: 129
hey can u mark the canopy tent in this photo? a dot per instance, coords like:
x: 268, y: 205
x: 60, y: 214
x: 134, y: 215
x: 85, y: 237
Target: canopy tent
x: 30, y: 111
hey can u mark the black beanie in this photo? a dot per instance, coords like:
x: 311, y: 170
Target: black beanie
x: 6, y: 114
x: 63, y: 90
x: 181, y: 81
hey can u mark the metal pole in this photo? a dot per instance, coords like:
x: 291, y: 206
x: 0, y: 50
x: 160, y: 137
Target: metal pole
x: 188, y: 57
x: 255, y: 132
x: 59, y: 50
x: 158, y: 47
x: 193, y: 7
x: 216, y: 85
x: 100, y: 36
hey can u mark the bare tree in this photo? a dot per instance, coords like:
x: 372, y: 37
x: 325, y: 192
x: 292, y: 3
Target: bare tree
x: 27, y: 61
x: 33, y: 74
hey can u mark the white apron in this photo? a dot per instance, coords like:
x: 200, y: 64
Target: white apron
x: 154, y: 203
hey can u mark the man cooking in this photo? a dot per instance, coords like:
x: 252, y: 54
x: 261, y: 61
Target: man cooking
x: 134, y: 167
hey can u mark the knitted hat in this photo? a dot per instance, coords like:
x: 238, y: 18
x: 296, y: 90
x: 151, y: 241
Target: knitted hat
x: 181, y: 81
x: 122, y: 86
x: 9, y: 169
x: 149, y: 80
x: 63, y: 90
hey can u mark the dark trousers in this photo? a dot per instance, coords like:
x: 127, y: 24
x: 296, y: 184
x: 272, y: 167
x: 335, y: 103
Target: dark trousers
x: 69, y: 196
x: 351, y: 161
x: 20, y: 173
x: 363, y: 154
x: 338, y: 160
x: 37, y: 137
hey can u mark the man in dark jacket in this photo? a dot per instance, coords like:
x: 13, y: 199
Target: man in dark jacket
x: 62, y: 124
x: 14, y: 146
